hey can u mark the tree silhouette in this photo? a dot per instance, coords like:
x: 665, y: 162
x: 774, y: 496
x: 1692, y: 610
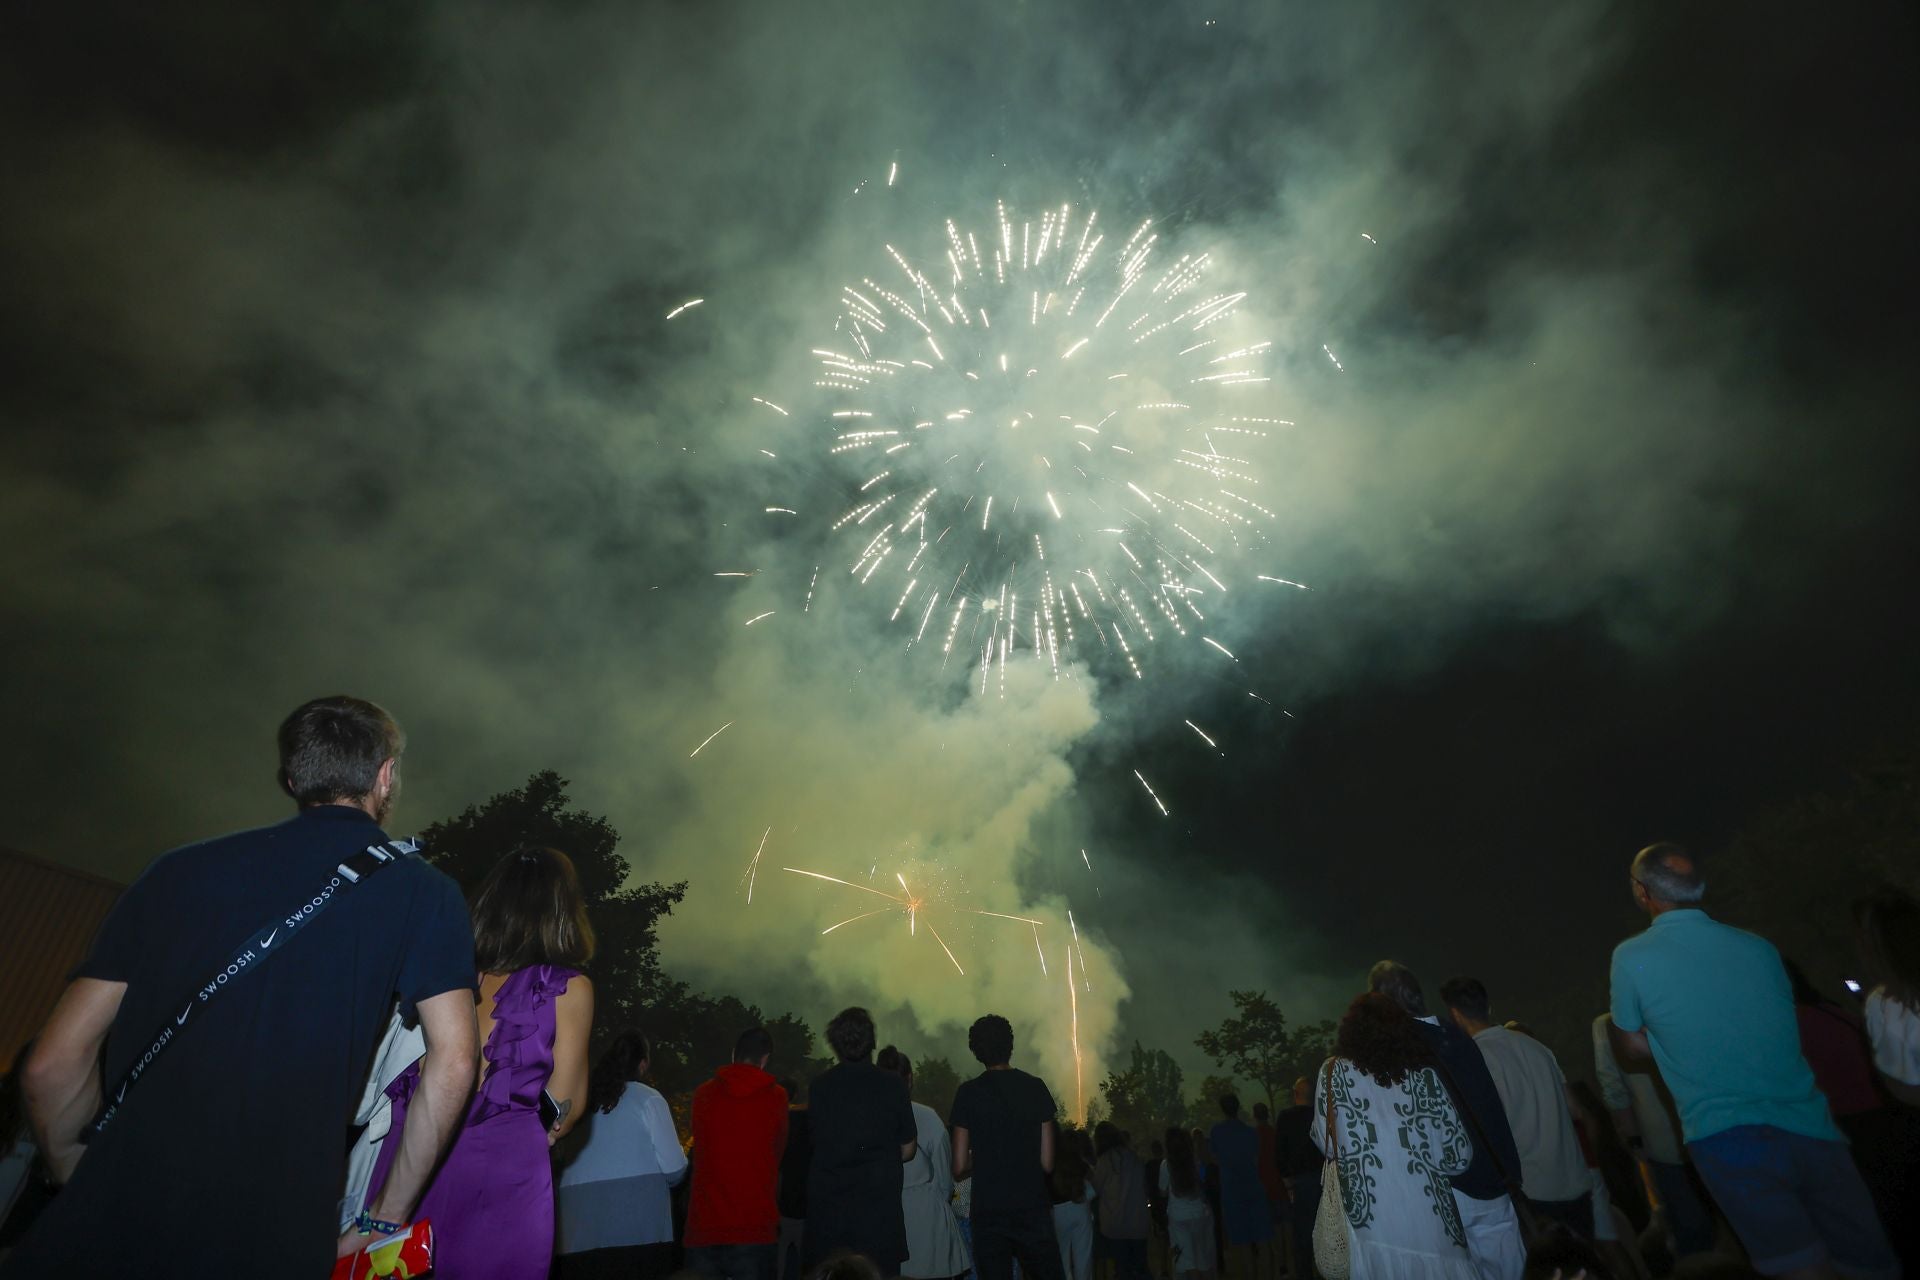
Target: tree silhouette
x: 1148, y: 1095
x: 1253, y: 1045
x: 629, y: 984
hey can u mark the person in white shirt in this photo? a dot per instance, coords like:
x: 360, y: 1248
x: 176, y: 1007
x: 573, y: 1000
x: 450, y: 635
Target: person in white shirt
x: 614, y: 1212
x: 1887, y: 935
x: 1553, y: 1172
x: 935, y: 1247
x: 1644, y: 1119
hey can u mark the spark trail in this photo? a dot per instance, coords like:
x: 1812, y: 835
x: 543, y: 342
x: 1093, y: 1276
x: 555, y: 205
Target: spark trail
x: 915, y: 907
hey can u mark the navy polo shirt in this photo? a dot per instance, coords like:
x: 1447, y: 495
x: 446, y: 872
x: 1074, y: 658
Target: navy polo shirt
x: 240, y: 1128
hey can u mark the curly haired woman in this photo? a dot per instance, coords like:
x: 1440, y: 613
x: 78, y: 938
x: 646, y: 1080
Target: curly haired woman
x: 1396, y: 1140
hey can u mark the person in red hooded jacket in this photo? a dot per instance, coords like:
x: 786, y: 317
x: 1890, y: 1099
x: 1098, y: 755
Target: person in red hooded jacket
x: 739, y: 1132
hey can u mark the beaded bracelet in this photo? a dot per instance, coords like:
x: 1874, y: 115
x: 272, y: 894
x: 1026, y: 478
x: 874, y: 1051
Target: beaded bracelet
x: 366, y: 1224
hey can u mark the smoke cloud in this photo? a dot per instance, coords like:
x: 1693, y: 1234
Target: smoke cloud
x: 352, y: 371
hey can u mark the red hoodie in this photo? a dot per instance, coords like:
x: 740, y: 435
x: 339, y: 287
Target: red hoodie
x: 739, y: 1131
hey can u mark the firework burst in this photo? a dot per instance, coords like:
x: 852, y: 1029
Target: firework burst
x: 1052, y: 441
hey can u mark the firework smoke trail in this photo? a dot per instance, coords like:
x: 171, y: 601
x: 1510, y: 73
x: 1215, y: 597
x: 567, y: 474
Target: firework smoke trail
x: 1051, y: 415
x: 1154, y: 794
x: 710, y: 737
x: 1073, y: 1004
x: 753, y: 867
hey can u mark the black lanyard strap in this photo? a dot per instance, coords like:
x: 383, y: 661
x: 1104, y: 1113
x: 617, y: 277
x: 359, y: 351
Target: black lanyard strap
x: 260, y: 945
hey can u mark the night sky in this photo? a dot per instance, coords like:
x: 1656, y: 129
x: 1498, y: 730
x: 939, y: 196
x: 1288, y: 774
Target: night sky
x: 335, y: 359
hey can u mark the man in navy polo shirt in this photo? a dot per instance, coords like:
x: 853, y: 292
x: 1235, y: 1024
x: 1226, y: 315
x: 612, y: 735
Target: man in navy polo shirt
x: 228, y: 1152
x: 1713, y: 1005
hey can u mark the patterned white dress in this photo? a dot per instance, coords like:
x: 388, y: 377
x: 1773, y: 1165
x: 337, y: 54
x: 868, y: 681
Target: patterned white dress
x: 1399, y: 1145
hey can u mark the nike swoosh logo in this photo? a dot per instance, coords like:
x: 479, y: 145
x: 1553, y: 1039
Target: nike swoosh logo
x: 270, y: 938
x: 181, y: 1021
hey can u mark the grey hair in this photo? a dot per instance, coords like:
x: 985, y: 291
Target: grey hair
x: 1399, y: 984
x: 1669, y: 873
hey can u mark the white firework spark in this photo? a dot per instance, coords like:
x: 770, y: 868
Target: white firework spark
x: 1051, y: 436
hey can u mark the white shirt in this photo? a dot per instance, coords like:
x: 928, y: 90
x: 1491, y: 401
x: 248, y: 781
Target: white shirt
x: 1534, y: 1094
x: 1894, y: 1030
x: 1635, y: 1091
x: 636, y: 1138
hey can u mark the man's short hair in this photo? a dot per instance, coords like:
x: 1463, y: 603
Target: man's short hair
x: 1669, y: 873
x: 851, y: 1034
x: 754, y: 1044
x: 1469, y: 996
x: 991, y: 1039
x: 1260, y: 1112
x: 1230, y: 1104
x: 1398, y: 983
x: 332, y: 749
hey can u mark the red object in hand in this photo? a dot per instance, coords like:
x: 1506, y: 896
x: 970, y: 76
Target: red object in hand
x: 401, y: 1257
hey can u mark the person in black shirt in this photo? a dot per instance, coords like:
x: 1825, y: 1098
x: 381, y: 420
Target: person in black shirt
x: 861, y: 1124
x: 796, y: 1162
x: 1003, y: 1135
x: 238, y: 1128
x: 1299, y: 1163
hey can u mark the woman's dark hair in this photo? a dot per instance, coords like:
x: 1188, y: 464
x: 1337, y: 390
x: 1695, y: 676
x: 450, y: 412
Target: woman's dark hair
x: 891, y: 1059
x: 1381, y: 1039
x: 1069, y: 1168
x: 1181, y: 1173
x: 530, y: 911
x: 1231, y: 1105
x: 615, y: 1067
x: 851, y: 1034
x: 332, y: 749
x: 844, y: 1264
x: 1887, y: 931
x: 1107, y: 1136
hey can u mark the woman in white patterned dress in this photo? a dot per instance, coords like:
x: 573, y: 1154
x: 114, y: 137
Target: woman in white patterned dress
x: 1397, y: 1140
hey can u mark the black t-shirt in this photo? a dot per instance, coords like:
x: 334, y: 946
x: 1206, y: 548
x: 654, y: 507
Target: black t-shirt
x: 858, y: 1117
x: 1293, y: 1148
x: 1002, y: 1112
x: 240, y: 1128
x: 796, y: 1162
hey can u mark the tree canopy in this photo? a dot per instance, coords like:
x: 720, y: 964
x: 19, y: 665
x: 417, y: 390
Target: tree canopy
x: 1256, y: 1046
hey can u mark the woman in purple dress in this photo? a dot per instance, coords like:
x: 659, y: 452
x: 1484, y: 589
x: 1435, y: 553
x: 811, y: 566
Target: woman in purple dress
x: 491, y: 1204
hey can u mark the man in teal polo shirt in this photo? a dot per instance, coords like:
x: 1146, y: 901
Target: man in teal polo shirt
x: 1713, y: 1005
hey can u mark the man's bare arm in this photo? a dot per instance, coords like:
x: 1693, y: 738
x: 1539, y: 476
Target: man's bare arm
x: 61, y: 1080
x: 1629, y: 1047
x: 1046, y: 1147
x: 438, y: 1105
x: 962, y: 1153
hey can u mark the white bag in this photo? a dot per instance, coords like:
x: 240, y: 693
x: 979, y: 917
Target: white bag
x: 1331, y: 1251
x: 400, y: 1048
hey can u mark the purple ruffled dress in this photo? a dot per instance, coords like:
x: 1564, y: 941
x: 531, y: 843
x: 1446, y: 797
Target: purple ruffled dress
x: 491, y: 1204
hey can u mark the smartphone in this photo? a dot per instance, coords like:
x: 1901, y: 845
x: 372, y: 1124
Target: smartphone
x: 1853, y: 988
x: 551, y: 1112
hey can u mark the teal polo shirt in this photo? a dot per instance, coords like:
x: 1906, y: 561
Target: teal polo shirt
x: 1718, y: 1012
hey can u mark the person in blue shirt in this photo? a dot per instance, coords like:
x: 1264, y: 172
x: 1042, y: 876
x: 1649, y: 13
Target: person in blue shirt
x: 1714, y: 1007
